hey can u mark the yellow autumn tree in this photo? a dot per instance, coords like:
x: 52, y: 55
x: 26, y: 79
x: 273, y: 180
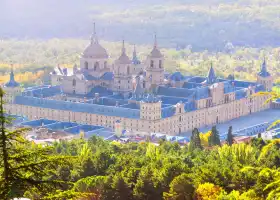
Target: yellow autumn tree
x: 208, y: 191
x: 204, y: 138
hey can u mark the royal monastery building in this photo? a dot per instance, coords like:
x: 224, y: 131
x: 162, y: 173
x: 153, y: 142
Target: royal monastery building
x: 138, y: 96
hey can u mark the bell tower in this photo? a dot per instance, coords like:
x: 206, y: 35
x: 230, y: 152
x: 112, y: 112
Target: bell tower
x: 12, y: 88
x: 264, y: 77
x: 123, y: 73
x: 155, y: 67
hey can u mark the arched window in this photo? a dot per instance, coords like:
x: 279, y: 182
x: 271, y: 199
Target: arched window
x: 96, y: 66
x: 160, y: 64
x: 152, y: 64
x: 105, y: 64
x: 86, y: 65
x: 74, y: 82
x: 144, y: 84
x: 128, y: 71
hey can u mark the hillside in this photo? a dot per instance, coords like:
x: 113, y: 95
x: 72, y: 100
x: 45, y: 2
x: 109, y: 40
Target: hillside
x: 203, y: 24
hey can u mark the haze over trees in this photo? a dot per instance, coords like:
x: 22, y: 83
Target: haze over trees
x: 233, y: 34
x: 203, y: 24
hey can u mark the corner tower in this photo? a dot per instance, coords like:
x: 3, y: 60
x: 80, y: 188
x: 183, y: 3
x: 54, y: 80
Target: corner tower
x: 155, y: 67
x: 123, y: 73
x: 12, y: 88
x: 264, y: 77
x: 150, y: 108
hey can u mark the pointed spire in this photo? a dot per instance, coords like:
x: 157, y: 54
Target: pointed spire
x: 264, y: 72
x: 93, y: 38
x: 155, y: 42
x: 211, y: 78
x: 12, y: 76
x: 135, y: 60
x: 263, y: 68
x: 123, y: 48
x: 12, y: 82
x: 134, y: 51
x: 156, y: 52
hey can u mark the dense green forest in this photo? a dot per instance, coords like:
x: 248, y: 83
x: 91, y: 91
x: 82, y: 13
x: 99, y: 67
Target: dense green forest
x: 109, y: 170
x: 36, y: 55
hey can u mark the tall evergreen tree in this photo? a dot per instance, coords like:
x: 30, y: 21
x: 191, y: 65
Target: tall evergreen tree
x: 195, y: 142
x: 23, y: 166
x: 230, y: 136
x: 214, y: 138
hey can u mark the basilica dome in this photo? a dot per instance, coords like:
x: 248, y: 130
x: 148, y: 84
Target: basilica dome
x: 95, y: 50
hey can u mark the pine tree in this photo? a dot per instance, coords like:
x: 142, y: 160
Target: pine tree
x: 195, y: 142
x: 230, y: 136
x: 24, y: 167
x: 214, y: 138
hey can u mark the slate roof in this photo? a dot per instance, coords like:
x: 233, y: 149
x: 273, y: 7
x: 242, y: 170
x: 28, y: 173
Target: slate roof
x: 77, y: 107
x: 12, y: 82
x: 264, y: 72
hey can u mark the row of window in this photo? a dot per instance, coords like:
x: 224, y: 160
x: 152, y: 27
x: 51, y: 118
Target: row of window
x: 159, y: 64
x: 96, y: 65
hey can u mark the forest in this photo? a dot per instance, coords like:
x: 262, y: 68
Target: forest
x: 80, y: 169
x: 33, y: 60
x: 235, y: 35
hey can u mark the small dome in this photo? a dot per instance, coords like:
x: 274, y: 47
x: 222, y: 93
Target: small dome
x: 123, y: 59
x: 156, y: 53
x: 95, y: 50
x: 177, y: 76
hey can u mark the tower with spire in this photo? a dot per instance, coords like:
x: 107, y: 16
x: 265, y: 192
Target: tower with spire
x: 264, y: 77
x: 135, y: 59
x: 155, y: 67
x: 216, y: 88
x: 123, y: 72
x: 211, y: 77
x: 12, y: 87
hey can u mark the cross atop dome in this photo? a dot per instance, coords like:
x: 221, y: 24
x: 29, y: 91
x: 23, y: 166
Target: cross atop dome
x: 93, y: 38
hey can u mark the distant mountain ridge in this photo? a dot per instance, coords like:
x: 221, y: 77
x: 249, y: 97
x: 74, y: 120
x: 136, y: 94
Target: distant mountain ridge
x: 202, y: 24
